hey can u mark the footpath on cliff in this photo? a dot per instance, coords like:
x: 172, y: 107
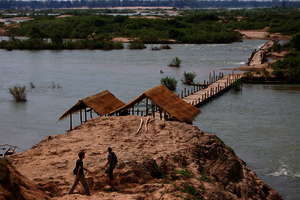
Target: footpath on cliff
x: 164, y: 160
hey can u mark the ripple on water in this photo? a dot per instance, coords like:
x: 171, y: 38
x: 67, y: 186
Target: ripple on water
x: 284, y: 170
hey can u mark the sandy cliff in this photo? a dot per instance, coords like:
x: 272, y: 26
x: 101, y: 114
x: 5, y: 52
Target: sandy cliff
x: 14, y: 186
x: 170, y: 160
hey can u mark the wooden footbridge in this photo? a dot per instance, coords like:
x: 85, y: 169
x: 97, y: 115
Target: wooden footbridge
x: 201, y: 95
x: 218, y: 84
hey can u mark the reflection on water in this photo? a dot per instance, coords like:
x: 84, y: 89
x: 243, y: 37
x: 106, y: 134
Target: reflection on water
x: 260, y: 123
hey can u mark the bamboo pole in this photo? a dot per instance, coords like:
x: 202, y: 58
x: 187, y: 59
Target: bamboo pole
x: 146, y: 106
x: 71, y: 121
x: 80, y: 116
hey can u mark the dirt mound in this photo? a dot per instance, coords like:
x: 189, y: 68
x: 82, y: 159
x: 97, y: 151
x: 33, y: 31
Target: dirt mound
x: 14, y: 186
x: 165, y: 160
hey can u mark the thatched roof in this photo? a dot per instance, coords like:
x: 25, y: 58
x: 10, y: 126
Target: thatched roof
x: 167, y: 101
x: 102, y: 103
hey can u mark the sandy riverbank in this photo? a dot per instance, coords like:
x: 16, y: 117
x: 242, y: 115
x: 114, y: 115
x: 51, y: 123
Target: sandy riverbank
x: 263, y: 34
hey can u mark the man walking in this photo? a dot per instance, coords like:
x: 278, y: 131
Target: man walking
x: 78, y: 171
x: 111, y: 163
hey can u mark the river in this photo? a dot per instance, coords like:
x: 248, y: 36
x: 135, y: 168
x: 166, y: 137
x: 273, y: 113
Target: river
x: 261, y: 123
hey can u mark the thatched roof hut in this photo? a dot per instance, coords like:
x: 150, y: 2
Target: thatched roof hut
x: 166, y: 101
x: 101, y: 103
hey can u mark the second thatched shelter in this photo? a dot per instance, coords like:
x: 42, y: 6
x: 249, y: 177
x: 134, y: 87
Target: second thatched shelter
x: 159, y: 100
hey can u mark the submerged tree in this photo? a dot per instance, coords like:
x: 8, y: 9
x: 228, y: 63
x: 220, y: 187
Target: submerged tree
x: 175, y: 62
x: 19, y: 93
x: 188, y: 77
x: 169, y: 82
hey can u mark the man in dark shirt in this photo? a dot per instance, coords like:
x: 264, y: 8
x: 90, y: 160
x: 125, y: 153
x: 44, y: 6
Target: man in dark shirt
x: 79, y: 172
x: 112, y: 161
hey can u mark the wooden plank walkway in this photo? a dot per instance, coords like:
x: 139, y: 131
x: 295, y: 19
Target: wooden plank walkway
x: 213, y: 90
x: 258, y: 56
x: 201, y: 95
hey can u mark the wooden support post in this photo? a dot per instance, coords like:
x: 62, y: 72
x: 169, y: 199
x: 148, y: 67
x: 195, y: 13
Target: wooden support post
x: 181, y: 93
x: 71, y: 127
x: 214, y: 76
x: 91, y: 114
x: 80, y: 115
x: 146, y: 106
x: 142, y: 113
x: 85, y: 116
x: 184, y: 92
x: 153, y: 110
x: 137, y: 112
x: 194, y: 87
x: 160, y: 113
x: 188, y: 92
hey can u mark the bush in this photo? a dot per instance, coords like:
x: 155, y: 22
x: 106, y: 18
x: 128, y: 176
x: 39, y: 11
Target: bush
x: 288, y: 68
x: 188, y: 77
x: 175, y: 62
x: 39, y: 44
x: 295, y: 42
x: 169, y: 82
x: 136, y: 45
x: 19, y: 93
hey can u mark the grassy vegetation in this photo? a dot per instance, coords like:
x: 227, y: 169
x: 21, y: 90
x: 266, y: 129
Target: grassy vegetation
x: 197, y: 26
x: 188, y: 77
x: 184, y: 172
x: 191, y: 190
x: 39, y: 44
x: 169, y: 82
x: 288, y: 69
x: 186, y: 29
x: 136, y: 45
x: 204, y: 176
x: 175, y: 62
x: 19, y: 93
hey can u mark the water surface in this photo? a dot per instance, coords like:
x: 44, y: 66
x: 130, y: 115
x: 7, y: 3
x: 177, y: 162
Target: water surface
x: 261, y: 123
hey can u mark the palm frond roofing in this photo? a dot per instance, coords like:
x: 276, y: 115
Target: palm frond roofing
x: 102, y: 103
x: 167, y: 101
